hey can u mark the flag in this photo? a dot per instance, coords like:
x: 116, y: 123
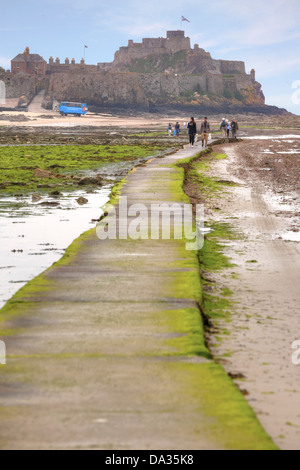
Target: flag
x: 184, y: 19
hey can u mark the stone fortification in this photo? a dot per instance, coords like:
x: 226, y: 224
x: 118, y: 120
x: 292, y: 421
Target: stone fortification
x: 153, y: 73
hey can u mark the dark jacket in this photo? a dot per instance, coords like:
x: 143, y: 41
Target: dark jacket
x: 234, y: 126
x: 205, y: 128
x: 192, y: 128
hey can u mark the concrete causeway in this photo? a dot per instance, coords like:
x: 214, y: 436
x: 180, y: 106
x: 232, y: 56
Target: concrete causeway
x: 105, y: 350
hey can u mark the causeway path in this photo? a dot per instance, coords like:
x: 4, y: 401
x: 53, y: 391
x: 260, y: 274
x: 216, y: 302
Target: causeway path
x: 105, y: 350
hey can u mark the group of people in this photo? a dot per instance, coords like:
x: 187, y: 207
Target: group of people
x: 226, y: 127
x: 204, y: 131
x: 176, y: 130
x: 192, y: 131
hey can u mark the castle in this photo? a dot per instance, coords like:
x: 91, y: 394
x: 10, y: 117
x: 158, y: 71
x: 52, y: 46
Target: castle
x: 175, y: 42
x: 156, y: 71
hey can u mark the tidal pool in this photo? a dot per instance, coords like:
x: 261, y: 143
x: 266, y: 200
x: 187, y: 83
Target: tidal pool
x: 34, y: 236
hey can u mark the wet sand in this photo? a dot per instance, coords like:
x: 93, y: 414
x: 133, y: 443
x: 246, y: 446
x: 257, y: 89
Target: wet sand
x: 264, y: 209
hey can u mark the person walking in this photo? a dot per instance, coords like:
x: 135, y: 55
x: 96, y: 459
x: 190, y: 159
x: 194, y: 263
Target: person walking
x: 170, y: 128
x: 228, y: 129
x: 223, y: 127
x: 192, y: 130
x: 234, y: 128
x: 177, y: 128
x: 205, y: 131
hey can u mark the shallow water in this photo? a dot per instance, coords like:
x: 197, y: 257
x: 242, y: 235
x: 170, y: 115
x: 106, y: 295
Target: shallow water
x: 272, y: 137
x: 33, y: 237
x: 291, y: 236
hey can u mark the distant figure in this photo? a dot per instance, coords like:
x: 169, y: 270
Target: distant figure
x: 205, y: 131
x: 228, y: 129
x: 234, y: 128
x: 192, y: 129
x: 223, y: 127
x: 184, y: 125
x: 170, y: 128
x: 177, y: 128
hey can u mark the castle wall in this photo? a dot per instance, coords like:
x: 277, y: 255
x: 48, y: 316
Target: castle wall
x: 231, y: 66
x: 18, y: 85
x: 152, y: 46
x: 162, y: 85
x: 74, y: 68
x: 100, y: 88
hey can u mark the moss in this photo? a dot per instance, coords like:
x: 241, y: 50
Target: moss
x: 188, y: 332
x: 221, y: 156
x: 212, y: 257
x: 216, y: 306
x: 231, y: 420
x: 19, y: 163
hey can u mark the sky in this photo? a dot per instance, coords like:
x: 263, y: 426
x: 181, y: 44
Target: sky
x: 263, y: 33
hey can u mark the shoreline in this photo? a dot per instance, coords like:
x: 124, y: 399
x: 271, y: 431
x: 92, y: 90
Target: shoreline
x: 252, y: 304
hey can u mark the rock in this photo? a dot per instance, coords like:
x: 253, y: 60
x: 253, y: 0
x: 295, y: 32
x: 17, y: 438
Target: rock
x: 45, y: 186
x: 49, y: 203
x: 55, y: 193
x: 87, y: 180
x: 100, y: 179
x: 36, y: 197
x: 17, y: 183
x: 23, y: 101
x: 42, y: 173
x: 82, y: 200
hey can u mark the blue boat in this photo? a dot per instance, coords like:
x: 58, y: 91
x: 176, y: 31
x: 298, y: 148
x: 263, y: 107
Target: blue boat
x: 77, y: 109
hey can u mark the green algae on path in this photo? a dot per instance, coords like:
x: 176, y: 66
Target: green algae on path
x: 113, y: 332
x: 211, y: 257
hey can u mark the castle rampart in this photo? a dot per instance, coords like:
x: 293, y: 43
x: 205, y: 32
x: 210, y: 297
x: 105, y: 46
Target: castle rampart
x: 174, y: 42
x: 157, y: 70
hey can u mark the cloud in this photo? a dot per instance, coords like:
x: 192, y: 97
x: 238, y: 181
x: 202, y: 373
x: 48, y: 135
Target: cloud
x: 139, y: 29
x: 272, y: 67
x: 265, y: 23
x: 200, y: 38
x: 5, y: 62
x: 277, y: 67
